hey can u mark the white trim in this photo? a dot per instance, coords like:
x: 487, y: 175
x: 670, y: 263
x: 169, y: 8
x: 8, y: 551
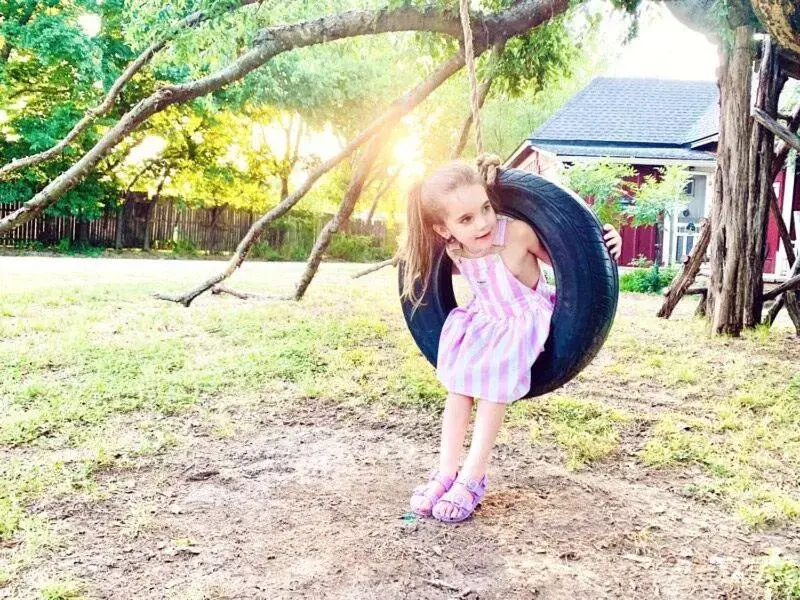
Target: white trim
x: 781, y: 262
x: 524, y: 145
x: 709, y: 195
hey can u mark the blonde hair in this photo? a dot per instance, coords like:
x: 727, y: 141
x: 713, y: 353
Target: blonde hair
x: 424, y: 211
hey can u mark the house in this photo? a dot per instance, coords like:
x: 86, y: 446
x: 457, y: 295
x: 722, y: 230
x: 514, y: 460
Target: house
x: 650, y: 123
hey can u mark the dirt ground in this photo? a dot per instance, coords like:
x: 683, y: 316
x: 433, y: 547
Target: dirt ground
x: 312, y: 504
x: 309, y: 501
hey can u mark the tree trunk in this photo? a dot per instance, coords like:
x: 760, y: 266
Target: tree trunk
x: 760, y: 194
x: 148, y: 217
x: 83, y: 232
x: 120, y: 224
x: 726, y: 289
x: 150, y: 208
x: 380, y: 194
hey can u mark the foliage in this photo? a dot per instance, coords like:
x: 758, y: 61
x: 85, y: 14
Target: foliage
x: 357, y: 248
x: 659, y: 195
x: 781, y: 578
x: 647, y: 280
x: 606, y: 185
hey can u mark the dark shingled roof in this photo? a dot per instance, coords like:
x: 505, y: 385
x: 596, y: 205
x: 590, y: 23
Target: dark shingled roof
x: 644, y: 118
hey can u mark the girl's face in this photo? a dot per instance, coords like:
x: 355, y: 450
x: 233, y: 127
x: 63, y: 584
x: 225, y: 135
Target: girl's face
x: 469, y: 217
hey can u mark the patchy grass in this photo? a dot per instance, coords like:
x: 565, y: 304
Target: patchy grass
x: 63, y: 590
x: 586, y: 430
x: 781, y: 579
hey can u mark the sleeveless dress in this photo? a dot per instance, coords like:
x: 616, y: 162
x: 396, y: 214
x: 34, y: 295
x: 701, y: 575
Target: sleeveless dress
x: 487, y: 348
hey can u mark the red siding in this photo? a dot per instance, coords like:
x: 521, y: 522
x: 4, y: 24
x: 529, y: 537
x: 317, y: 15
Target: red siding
x: 773, y: 237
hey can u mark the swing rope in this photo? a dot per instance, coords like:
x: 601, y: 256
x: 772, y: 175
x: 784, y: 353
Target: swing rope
x: 487, y: 163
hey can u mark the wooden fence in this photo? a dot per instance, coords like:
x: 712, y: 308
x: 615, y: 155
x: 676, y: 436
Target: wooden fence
x: 217, y: 229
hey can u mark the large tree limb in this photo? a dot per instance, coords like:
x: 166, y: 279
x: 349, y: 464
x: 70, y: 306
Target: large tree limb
x: 519, y: 18
x: 781, y: 18
x: 101, y: 109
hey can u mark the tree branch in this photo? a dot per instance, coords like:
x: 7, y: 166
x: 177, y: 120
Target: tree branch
x: 790, y: 284
x: 780, y: 130
x: 143, y: 59
x: 519, y: 18
x: 367, y: 160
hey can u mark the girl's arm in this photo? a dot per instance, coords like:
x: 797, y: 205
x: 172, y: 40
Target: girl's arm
x: 532, y: 242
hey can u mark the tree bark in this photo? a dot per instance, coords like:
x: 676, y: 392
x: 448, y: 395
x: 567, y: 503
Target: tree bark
x: 729, y: 238
x: 517, y: 19
x: 143, y: 59
x: 761, y: 192
x: 782, y: 20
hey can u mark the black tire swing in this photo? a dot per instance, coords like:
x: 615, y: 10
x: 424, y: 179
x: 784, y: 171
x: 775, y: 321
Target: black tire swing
x: 587, y: 282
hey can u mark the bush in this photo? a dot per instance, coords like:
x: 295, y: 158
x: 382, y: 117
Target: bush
x: 183, y: 247
x: 647, y: 281
x: 357, y: 248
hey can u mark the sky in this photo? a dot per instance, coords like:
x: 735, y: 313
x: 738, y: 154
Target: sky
x: 665, y: 49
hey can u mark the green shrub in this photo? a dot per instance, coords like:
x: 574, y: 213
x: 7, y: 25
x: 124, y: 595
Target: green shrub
x: 183, y: 247
x: 647, y: 281
x: 357, y: 248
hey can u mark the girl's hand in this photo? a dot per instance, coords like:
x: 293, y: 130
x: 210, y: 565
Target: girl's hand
x: 613, y: 240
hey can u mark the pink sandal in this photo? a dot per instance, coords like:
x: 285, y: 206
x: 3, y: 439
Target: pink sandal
x: 425, y: 496
x: 464, y: 502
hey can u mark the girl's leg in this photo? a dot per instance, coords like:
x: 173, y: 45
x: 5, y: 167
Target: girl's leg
x: 455, y: 419
x: 457, y: 410
x: 488, y: 420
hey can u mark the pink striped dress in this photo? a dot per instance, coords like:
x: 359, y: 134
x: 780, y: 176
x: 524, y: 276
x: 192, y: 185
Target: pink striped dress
x: 487, y: 348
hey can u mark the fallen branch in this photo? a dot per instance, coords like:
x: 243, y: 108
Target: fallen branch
x: 143, y: 59
x: 357, y: 181
x: 443, y: 585
x: 688, y: 274
x: 221, y: 289
x: 377, y: 267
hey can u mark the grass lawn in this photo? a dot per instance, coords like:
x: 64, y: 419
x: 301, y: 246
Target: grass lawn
x: 97, y: 380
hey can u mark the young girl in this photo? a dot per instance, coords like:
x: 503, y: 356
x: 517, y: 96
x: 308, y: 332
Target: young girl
x: 486, y: 348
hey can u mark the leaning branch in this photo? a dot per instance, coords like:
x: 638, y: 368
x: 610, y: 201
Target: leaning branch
x: 397, y: 110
